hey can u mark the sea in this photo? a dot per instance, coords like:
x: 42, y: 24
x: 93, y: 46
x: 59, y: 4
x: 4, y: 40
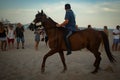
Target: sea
x: 81, y: 28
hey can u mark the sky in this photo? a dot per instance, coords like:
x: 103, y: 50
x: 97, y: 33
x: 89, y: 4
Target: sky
x: 97, y: 13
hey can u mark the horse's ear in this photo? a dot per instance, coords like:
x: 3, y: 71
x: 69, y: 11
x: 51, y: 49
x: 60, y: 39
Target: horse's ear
x: 38, y: 12
x: 41, y: 11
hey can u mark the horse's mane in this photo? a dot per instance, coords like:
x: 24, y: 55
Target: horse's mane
x: 52, y: 20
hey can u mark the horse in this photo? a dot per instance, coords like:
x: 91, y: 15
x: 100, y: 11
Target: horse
x: 87, y: 38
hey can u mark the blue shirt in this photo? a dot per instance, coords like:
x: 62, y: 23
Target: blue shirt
x: 72, y: 23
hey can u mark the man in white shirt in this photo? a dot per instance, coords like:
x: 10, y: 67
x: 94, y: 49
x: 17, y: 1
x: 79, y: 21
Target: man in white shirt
x: 119, y: 40
x: 116, y: 37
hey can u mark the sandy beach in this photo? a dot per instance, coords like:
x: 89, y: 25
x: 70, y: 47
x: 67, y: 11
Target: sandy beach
x: 25, y: 64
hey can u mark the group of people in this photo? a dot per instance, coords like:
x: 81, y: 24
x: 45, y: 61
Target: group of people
x: 116, y: 37
x: 9, y: 33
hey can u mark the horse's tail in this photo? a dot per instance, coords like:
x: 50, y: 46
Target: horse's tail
x: 106, y: 46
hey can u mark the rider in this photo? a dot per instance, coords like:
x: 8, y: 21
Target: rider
x: 70, y: 25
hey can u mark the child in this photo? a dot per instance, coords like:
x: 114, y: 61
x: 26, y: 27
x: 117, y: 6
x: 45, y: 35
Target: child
x: 3, y: 38
x: 10, y: 36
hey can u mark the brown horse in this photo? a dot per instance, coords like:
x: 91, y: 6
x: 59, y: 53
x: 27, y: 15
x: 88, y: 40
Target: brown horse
x: 88, y: 38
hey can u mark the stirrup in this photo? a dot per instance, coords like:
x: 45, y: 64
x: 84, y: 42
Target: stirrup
x: 69, y: 52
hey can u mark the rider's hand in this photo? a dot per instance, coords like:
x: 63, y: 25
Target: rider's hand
x: 58, y: 25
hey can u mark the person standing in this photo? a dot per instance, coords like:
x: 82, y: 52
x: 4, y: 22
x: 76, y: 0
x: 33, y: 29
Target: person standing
x: 3, y: 37
x: 116, y: 37
x: 19, y: 33
x: 106, y: 30
x: 37, y: 37
x: 10, y: 36
x: 70, y: 26
x: 119, y: 39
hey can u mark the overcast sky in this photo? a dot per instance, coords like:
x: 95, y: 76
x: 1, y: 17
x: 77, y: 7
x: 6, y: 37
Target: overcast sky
x: 98, y: 13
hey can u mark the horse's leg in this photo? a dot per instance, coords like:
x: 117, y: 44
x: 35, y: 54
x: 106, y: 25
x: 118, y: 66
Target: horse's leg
x: 63, y: 60
x: 97, y: 61
x: 46, y: 40
x: 51, y: 52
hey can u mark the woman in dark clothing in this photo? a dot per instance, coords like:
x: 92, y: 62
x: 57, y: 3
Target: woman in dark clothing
x: 3, y: 38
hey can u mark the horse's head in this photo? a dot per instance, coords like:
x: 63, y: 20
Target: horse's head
x: 40, y: 16
x: 37, y: 22
x: 41, y: 19
x: 32, y: 27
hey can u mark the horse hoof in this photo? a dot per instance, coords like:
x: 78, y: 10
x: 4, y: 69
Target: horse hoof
x: 63, y: 71
x: 42, y: 70
x: 94, y: 72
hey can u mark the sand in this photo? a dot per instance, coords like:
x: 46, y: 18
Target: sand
x: 25, y: 64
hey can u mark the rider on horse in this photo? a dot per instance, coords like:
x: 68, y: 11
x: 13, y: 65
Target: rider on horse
x: 70, y: 26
